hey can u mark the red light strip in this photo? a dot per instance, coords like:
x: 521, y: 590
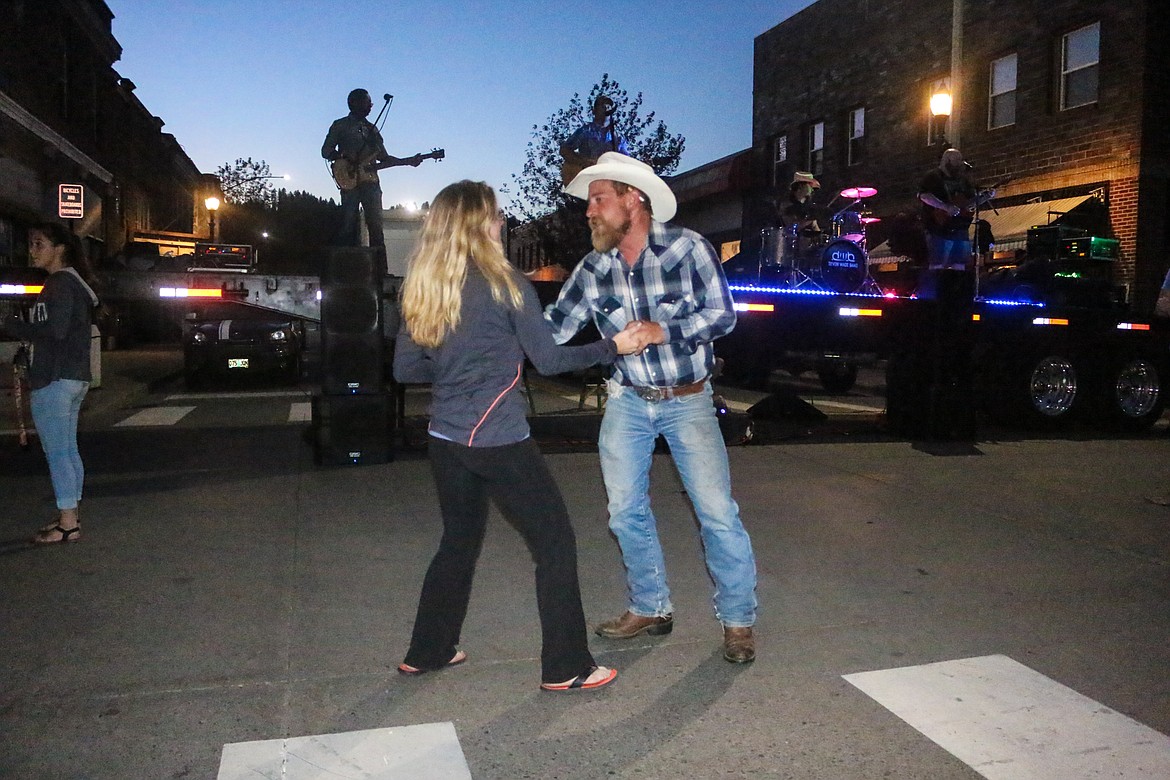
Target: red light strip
x: 845, y: 311
x: 21, y: 289
x: 1050, y: 321
x: 1133, y: 326
x: 189, y: 292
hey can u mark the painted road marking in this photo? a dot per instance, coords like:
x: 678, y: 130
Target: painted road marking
x: 301, y: 411
x: 256, y: 394
x: 157, y: 415
x: 1007, y: 721
x: 429, y: 751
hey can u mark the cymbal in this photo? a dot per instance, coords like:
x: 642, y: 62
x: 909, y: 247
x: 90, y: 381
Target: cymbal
x: 870, y: 220
x: 856, y: 193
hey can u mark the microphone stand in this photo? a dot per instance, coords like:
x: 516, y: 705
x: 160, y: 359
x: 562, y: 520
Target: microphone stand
x: 385, y: 110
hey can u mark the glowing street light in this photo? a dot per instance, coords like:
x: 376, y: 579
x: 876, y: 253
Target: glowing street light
x: 212, y: 204
x: 941, y: 106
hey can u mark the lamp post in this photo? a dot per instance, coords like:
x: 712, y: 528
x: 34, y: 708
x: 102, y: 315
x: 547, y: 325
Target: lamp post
x: 941, y: 105
x: 212, y: 204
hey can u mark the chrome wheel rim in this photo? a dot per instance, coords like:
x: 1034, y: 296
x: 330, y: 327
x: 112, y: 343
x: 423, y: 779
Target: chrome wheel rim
x: 1137, y: 389
x: 1053, y: 386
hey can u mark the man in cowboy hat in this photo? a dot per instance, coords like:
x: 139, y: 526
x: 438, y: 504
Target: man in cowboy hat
x: 797, y: 210
x: 669, y: 281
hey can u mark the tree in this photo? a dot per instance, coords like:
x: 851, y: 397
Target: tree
x: 246, y: 181
x: 557, y: 218
x: 291, y: 234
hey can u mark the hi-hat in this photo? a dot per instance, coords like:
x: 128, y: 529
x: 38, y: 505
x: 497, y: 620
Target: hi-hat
x: 870, y: 220
x: 856, y: 193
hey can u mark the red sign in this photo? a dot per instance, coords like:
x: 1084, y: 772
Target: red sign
x: 70, y: 201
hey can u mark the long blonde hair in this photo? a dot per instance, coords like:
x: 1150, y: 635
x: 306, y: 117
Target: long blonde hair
x: 457, y: 228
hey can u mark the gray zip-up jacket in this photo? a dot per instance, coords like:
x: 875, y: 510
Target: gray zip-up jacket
x: 477, y: 373
x: 60, y: 330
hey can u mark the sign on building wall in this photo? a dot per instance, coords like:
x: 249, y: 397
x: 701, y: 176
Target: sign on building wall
x: 70, y: 201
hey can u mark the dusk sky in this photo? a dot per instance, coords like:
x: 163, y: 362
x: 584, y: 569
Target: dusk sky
x: 264, y: 79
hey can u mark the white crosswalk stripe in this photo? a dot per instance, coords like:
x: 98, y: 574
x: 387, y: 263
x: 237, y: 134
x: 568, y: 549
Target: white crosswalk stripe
x: 429, y: 751
x: 1007, y: 721
x: 156, y: 416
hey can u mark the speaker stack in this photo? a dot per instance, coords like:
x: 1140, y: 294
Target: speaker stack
x: 351, y: 416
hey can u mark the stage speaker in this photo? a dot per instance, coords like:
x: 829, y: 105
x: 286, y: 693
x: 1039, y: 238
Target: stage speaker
x: 351, y: 430
x: 351, y: 322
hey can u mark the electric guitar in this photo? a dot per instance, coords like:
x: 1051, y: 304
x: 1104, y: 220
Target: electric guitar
x: 573, y: 164
x: 966, y: 204
x: 348, y: 174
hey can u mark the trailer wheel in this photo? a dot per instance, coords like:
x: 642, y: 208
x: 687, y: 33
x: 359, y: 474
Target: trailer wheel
x: 1132, y: 397
x: 837, y: 376
x: 1047, y: 389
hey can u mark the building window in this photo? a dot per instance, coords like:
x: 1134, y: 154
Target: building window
x: 815, y: 161
x: 1001, y: 103
x: 856, y: 136
x: 1079, y: 58
x: 779, y: 157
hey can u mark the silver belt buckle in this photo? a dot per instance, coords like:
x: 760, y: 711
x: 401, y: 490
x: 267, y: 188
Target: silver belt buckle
x: 652, y: 394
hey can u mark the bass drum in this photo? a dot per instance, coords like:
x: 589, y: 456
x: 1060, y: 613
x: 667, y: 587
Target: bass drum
x: 843, y: 266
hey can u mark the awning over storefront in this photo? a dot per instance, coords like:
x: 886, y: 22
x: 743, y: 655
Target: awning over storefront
x: 1010, y: 224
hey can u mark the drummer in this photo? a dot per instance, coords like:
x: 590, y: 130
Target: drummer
x: 797, y: 209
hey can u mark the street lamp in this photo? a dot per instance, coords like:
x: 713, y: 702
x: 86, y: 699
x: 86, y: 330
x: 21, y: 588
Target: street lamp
x: 212, y: 204
x: 941, y: 105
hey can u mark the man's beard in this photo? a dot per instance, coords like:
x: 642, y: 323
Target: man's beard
x: 606, y: 236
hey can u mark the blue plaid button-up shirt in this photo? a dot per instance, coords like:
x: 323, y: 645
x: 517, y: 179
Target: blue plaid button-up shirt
x: 677, y: 282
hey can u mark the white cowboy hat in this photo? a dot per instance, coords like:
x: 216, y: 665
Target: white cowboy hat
x: 615, y: 166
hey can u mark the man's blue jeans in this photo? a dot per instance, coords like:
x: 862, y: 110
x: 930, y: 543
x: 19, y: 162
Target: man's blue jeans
x: 949, y: 251
x: 367, y: 195
x: 55, y: 411
x: 626, y: 444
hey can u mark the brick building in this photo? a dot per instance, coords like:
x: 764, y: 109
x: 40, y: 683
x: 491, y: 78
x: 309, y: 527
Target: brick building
x: 1061, y: 99
x: 66, y: 116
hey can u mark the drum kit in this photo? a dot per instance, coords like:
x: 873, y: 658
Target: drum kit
x: 836, y: 260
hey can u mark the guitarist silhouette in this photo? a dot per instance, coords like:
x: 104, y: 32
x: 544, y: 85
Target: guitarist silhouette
x: 949, y: 198
x: 355, y: 148
x: 591, y: 140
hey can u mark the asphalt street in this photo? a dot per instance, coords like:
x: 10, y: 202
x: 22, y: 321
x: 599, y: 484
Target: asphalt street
x: 230, y: 595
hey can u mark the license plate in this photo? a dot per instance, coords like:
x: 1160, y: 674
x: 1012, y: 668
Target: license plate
x: 237, y: 362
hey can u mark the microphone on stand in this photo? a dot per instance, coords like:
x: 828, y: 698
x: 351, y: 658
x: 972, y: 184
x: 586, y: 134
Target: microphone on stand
x: 387, y: 97
x: 968, y: 165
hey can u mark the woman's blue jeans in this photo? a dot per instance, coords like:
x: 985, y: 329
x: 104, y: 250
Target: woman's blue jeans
x: 55, y: 411
x: 626, y: 444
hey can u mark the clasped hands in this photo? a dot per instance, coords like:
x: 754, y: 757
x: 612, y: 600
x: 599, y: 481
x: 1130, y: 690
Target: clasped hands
x: 637, y: 335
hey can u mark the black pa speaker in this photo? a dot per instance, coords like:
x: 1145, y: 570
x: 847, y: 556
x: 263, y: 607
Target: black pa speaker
x: 351, y: 322
x: 351, y: 430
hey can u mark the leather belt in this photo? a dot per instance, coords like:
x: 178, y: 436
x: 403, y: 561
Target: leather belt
x: 655, y: 394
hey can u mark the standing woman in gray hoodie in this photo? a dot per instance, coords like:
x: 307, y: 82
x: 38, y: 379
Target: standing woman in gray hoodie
x: 59, y: 374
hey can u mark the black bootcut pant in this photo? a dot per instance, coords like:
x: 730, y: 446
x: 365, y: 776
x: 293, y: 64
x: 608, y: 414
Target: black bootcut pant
x: 515, y: 478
